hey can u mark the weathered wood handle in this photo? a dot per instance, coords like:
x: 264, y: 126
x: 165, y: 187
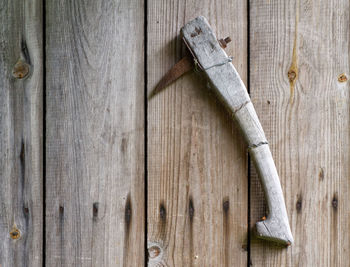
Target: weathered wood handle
x: 228, y: 86
x: 276, y: 226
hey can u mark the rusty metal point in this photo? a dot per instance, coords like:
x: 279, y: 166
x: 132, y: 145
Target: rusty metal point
x: 182, y: 67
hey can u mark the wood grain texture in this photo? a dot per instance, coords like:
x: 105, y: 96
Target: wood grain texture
x: 95, y: 133
x: 298, y: 51
x: 21, y: 91
x: 197, y: 162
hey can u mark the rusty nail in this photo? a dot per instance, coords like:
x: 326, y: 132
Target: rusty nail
x: 223, y: 42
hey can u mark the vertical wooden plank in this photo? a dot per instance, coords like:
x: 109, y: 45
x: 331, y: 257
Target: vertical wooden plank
x: 299, y: 52
x: 21, y: 91
x: 95, y: 133
x: 197, y: 163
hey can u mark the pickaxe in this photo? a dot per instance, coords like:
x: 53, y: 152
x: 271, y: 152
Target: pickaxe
x: 210, y: 58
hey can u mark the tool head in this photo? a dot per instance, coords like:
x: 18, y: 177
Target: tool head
x: 185, y: 65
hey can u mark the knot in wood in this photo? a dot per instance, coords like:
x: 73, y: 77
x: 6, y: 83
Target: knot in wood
x: 20, y: 70
x: 335, y: 202
x: 226, y: 205
x: 342, y: 78
x: 299, y: 205
x: 15, y: 233
x: 154, y: 252
x: 292, y: 75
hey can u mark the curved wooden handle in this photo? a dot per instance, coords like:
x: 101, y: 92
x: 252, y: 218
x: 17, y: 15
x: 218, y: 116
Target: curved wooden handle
x: 229, y: 88
x: 276, y: 226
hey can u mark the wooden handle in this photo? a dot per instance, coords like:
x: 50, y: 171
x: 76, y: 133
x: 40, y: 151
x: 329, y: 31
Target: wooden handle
x: 229, y: 88
x: 276, y: 226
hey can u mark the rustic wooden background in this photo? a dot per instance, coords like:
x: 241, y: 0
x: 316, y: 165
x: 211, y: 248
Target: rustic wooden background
x: 93, y: 174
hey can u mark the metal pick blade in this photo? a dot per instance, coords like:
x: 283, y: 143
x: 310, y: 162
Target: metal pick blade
x: 185, y: 65
x: 180, y: 68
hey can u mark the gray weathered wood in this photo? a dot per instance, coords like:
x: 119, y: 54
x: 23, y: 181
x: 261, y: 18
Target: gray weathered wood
x: 227, y: 85
x: 95, y: 133
x: 300, y: 89
x: 21, y: 91
x: 197, y: 162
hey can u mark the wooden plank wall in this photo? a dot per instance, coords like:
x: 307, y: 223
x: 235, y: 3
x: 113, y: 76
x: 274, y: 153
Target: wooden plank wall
x: 21, y: 129
x: 299, y: 61
x: 197, y: 163
x: 181, y: 197
x: 95, y: 133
